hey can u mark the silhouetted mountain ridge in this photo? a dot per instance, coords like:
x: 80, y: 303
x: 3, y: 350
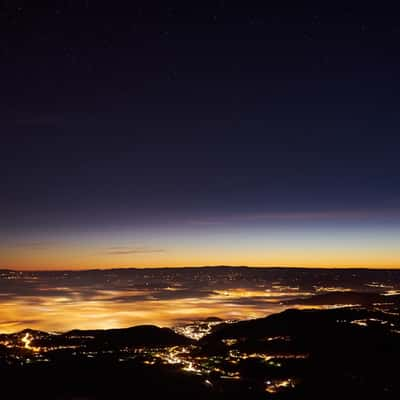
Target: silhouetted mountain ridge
x: 144, y: 335
x: 290, y: 322
x: 140, y: 336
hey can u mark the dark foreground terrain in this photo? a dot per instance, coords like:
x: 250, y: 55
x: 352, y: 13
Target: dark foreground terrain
x: 349, y: 352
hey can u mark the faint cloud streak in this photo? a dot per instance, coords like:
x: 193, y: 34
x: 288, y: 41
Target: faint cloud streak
x: 39, y: 245
x: 299, y: 216
x: 124, y: 250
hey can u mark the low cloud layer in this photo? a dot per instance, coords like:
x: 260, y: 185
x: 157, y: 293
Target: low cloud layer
x: 60, y: 301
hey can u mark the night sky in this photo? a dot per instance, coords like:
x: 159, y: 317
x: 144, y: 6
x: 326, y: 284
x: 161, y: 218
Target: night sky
x: 166, y: 133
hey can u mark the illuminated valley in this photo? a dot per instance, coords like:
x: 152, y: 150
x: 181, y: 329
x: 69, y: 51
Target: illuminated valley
x: 269, y: 354
x: 251, y: 332
x: 61, y: 301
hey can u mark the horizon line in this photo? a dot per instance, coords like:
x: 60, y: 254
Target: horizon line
x: 78, y: 269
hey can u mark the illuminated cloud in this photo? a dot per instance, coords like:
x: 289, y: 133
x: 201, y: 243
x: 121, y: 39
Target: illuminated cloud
x: 122, y: 250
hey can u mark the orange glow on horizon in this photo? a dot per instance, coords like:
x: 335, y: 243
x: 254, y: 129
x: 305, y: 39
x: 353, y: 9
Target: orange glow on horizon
x: 61, y: 266
x: 81, y: 256
x: 283, y: 247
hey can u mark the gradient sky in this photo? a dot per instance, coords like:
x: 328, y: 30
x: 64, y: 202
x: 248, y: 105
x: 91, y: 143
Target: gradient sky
x: 165, y: 134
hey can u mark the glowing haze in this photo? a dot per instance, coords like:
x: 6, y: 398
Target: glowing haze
x: 64, y: 300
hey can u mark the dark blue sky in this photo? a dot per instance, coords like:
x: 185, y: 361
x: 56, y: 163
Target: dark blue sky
x: 161, y: 111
